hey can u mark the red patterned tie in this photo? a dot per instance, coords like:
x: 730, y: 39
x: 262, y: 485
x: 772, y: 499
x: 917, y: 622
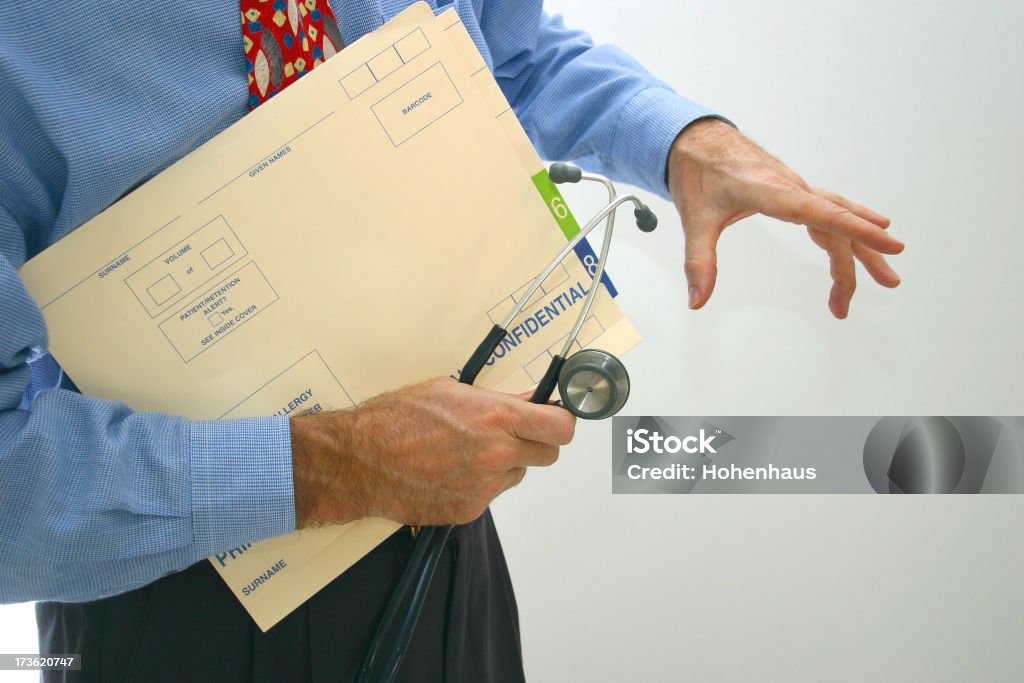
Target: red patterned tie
x: 283, y: 39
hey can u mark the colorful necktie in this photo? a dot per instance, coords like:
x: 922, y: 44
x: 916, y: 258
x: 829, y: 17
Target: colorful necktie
x: 284, y: 39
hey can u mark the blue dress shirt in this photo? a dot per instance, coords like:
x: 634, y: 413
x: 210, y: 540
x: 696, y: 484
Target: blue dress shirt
x: 95, y: 98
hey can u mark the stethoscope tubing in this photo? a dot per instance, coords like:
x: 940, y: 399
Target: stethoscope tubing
x: 394, y: 632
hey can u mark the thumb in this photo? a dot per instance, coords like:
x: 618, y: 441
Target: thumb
x: 701, y: 262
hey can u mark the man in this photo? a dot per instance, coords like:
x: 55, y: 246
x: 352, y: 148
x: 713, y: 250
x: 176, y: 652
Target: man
x: 108, y: 514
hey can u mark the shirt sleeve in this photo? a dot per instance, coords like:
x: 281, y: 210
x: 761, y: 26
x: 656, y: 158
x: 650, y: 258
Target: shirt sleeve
x: 96, y: 499
x: 594, y: 105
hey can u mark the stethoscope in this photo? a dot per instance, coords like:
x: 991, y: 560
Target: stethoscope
x: 593, y: 384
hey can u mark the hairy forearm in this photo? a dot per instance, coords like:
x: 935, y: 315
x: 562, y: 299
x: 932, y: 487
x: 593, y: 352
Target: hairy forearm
x: 436, y: 452
x: 323, y: 469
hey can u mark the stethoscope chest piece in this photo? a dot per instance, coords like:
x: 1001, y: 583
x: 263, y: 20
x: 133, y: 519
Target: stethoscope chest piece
x: 593, y: 384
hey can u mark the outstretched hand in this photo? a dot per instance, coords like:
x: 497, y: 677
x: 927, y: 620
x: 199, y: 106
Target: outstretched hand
x: 717, y: 176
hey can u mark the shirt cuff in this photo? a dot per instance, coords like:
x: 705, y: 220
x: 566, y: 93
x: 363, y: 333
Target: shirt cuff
x: 242, y: 488
x: 646, y: 128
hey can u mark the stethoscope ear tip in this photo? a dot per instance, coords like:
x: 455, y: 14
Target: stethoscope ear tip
x: 564, y: 173
x: 645, y: 218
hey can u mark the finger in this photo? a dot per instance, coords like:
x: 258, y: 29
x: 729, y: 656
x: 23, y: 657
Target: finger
x: 533, y: 454
x: 858, y: 209
x: 876, y: 266
x: 546, y: 424
x: 844, y: 280
x: 527, y: 395
x: 814, y: 211
x: 701, y: 262
x: 841, y: 267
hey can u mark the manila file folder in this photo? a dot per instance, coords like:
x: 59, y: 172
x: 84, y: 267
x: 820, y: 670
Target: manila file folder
x: 358, y: 232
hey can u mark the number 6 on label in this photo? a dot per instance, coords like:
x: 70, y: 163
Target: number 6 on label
x: 559, y: 208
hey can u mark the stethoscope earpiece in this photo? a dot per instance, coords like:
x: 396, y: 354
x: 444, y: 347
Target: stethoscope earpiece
x: 593, y: 384
x: 645, y: 218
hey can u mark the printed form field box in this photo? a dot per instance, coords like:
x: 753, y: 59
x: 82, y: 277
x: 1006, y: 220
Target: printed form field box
x: 498, y: 313
x: 538, y: 366
x: 385, y: 63
x: 521, y: 292
x: 590, y: 331
x: 412, y: 45
x: 557, y: 346
x: 237, y: 299
x: 553, y: 281
x: 185, y: 267
x: 306, y: 385
x: 464, y: 45
x: 217, y: 254
x: 417, y: 104
x: 496, y: 102
x: 163, y: 290
x: 358, y: 82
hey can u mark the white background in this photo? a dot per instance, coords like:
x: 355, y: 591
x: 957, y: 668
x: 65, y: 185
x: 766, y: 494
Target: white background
x: 912, y: 108
x: 915, y: 109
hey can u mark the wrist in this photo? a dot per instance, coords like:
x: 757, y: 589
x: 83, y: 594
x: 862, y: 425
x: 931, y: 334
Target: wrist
x: 643, y: 133
x: 323, y: 471
x: 698, y: 143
